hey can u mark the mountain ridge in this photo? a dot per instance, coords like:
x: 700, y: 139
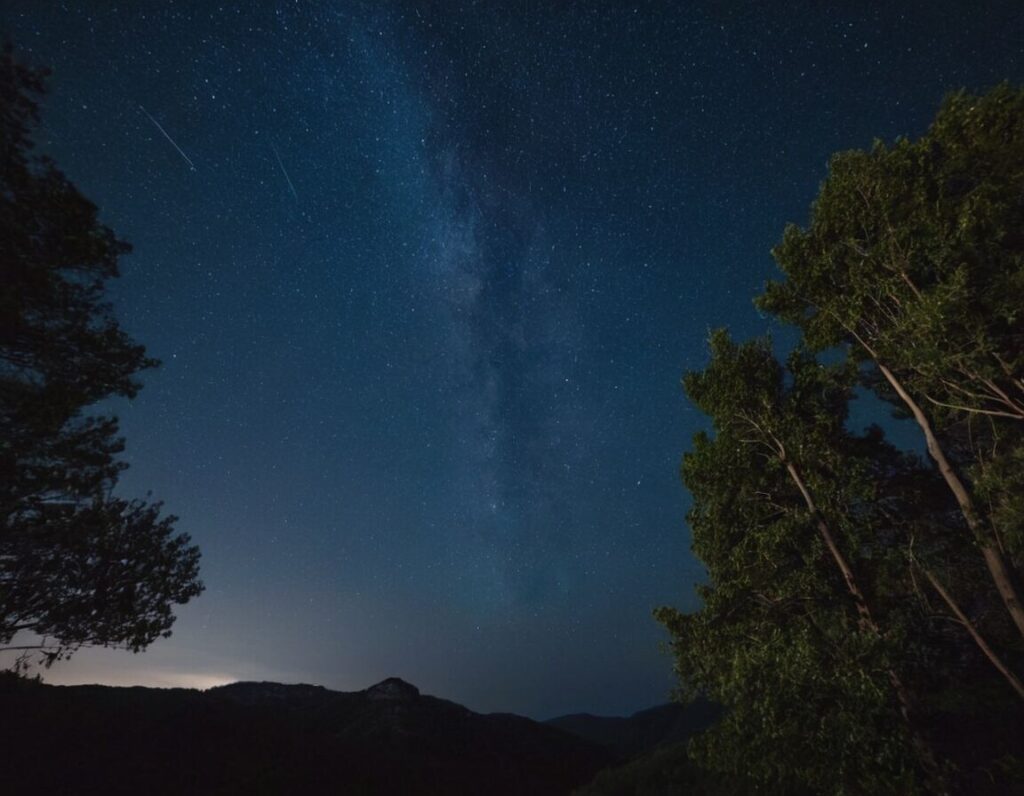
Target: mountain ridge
x: 642, y: 731
x: 253, y: 737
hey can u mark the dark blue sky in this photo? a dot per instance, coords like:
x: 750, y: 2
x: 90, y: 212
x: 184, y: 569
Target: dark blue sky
x: 426, y: 296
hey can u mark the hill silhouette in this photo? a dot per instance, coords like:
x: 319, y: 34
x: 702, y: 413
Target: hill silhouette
x: 645, y: 730
x: 273, y: 738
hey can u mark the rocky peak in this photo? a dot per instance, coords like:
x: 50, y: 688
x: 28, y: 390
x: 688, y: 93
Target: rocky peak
x: 393, y: 688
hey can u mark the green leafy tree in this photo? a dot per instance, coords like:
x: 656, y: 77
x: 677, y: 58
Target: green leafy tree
x: 77, y: 565
x: 796, y: 636
x: 914, y: 260
x: 854, y: 636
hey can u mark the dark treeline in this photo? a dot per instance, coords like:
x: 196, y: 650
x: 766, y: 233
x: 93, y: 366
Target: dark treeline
x: 862, y: 622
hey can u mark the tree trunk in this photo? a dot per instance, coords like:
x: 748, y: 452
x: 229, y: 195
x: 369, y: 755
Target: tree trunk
x: 844, y: 566
x: 994, y: 559
x: 989, y: 653
x: 866, y: 620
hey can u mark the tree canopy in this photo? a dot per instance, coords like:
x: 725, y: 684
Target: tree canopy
x: 914, y: 259
x: 861, y: 623
x: 77, y: 565
x: 785, y: 517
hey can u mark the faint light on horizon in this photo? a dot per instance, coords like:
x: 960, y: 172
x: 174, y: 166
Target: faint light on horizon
x: 191, y: 680
x: 155, y: 678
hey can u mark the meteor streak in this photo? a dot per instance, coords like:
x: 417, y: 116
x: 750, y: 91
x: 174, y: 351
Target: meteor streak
x: 284, y: 171
x: 173, y: 144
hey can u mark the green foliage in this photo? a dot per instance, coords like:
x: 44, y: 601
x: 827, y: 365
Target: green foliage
x: 822, y: 631
x: 77, y: 566
x: 918, y: 249
x: 914, y: 257
x: 778, y: 640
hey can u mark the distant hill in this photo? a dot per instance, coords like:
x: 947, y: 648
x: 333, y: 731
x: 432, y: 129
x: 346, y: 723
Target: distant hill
x: 257, y: 738
x: 651, y: 749
x: 643, y: 731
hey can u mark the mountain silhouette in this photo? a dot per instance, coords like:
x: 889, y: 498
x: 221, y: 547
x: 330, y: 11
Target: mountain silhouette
x: 645, y: 730
x: 272, y: 738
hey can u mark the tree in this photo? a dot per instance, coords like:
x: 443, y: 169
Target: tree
x: 77, y: 565
x: 808, y: 649
x: 914, y: 260
x: 854, y: 636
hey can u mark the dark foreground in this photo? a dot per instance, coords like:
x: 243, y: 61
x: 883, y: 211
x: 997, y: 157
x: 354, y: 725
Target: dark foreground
x: 271, y: 738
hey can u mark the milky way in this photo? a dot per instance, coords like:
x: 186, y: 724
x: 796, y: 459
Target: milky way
x: 424, y: 302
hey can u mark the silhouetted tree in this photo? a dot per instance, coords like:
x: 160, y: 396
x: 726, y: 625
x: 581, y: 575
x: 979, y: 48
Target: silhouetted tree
x: 77, y: 565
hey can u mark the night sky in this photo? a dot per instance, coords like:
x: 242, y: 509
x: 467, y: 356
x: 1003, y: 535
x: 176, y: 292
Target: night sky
x: 425, y: 298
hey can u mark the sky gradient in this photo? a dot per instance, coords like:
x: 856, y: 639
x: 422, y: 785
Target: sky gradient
x: 424, y: 279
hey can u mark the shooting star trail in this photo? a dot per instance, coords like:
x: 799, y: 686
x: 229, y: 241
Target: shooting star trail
x: 284, y: 171
x: 173, y: 144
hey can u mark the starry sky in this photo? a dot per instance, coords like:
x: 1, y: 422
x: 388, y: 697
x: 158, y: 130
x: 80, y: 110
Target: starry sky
x: 424, y: 278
